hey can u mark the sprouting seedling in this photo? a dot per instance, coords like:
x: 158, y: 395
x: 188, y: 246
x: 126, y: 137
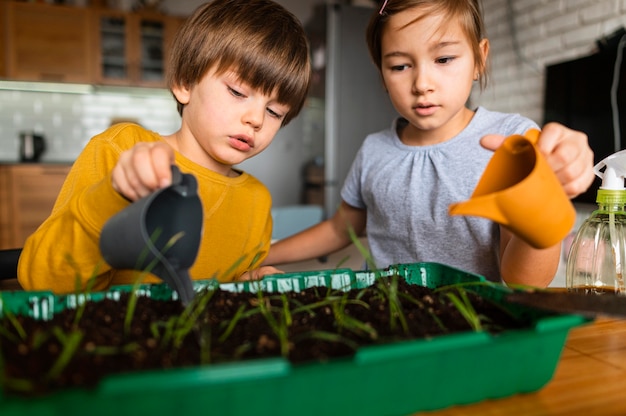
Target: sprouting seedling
x: 280, y: 325
x: 465, y: 307
x: 111, y: 350
x: 469, y: 287
x: 232, y: 323
x: 132, y: 304
x: 80, y: 310
x: 178, y: 327
x: 70, y: 342
x: 389, y: 293
x: 234, y: 266
x: 15, y: 323
x: 348, y: 322
x: 12, y: 383
x: 328, y: 337
x: 132, y: 301
x: 367, y: 255
x: 205, y: 344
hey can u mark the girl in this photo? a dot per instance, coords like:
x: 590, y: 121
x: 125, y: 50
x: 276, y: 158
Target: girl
x: 235, y: 86
x: 429, y: 54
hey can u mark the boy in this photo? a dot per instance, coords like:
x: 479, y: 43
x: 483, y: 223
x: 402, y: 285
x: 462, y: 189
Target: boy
x: 237, y: 79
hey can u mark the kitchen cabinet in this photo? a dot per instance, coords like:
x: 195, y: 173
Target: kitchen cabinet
x: 3, y: 25
x: 27, y: 195
x: 132, y: 48
x: 46, y: 42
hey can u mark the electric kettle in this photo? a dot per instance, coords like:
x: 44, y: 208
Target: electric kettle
x: 32, y: 146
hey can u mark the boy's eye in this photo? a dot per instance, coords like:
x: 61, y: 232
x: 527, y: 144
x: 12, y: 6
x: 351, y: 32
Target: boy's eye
x: 274, y: 114
x: 235, y: 92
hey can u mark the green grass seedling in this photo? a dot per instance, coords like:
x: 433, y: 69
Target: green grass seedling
x: 15, y: 323
x: 465, y: 307
x: 71, y: 343
x: 280, y: 323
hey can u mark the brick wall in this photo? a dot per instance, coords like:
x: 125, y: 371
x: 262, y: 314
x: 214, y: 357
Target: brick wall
x: 547, y: 32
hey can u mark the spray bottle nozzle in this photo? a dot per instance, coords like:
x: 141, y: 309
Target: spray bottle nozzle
x: 614, y: 171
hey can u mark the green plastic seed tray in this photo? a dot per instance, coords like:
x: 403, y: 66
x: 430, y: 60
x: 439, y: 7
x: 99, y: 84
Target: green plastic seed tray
x: 392, y: 379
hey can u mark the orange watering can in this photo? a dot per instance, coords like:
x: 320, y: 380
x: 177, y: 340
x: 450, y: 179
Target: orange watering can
x: 519, y: 191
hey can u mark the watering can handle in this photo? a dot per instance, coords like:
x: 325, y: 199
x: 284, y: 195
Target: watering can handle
x: 176, y: 175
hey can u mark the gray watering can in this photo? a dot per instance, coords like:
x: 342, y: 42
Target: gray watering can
x: 159, y: 233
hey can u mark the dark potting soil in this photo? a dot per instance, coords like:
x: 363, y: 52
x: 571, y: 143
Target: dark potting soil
x: 78, y: 347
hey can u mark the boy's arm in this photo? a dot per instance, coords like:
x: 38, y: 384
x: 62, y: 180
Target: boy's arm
x: 319, y: 240
x: 65, y: 248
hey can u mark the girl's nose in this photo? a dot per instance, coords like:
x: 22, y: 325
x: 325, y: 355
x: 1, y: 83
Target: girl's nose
x: 422, y: 82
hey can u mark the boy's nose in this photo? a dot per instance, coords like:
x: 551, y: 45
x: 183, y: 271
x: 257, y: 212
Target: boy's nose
x: 254, y: 117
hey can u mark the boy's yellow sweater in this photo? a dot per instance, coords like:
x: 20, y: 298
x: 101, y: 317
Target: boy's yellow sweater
x: 237, y: 221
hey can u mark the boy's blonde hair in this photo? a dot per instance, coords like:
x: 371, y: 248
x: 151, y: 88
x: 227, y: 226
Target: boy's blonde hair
x: 467, y: 12
x: 258, y: 39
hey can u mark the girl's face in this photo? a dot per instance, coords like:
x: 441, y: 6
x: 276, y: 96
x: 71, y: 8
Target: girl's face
x: 225, y: 121
x: 428, y: 69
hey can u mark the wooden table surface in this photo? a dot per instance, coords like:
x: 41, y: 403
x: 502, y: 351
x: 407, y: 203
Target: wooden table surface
x: 590, y: 379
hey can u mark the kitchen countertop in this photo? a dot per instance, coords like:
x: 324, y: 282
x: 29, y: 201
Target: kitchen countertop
x: 590, y: 379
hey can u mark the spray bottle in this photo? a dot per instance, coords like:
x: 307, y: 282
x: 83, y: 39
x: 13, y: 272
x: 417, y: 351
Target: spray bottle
x: 597, y: 258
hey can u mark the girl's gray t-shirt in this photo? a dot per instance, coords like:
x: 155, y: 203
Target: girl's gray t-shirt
x: 406, y: 191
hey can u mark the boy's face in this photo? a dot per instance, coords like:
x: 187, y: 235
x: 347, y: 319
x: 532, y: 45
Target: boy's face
x: 428, y: 68
x: 225, y: 121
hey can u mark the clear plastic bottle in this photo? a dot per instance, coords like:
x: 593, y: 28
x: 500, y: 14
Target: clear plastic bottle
x: 597, y: 258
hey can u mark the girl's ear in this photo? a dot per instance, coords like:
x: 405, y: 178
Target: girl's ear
x: 484, y: 53
x: 182, y: 93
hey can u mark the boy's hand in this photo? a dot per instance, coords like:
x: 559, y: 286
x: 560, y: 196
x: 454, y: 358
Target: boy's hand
x: 143, y: 169
x: 566, y: 151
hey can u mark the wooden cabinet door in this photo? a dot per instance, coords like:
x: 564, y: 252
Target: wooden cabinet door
x: 27, y: 195
x: 132, y: 48
x: 47, y: 43
x: 3, y: 39
x: 111, y: 41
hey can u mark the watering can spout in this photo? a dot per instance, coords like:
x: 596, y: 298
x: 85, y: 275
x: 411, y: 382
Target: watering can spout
x: 480, y: 206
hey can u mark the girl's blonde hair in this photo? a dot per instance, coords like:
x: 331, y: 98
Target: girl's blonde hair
x: 467, y: 12
x: 259, y: 40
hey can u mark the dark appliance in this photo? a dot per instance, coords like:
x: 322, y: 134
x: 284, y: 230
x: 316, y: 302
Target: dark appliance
x: 32, y: 146
x: 589, y: 94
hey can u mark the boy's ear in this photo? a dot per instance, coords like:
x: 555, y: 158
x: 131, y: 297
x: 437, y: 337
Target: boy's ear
x: 182, y: 93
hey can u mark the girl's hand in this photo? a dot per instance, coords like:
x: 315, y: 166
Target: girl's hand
x: 260, y: 273
x: 566, y: 151
x: 143, y: 169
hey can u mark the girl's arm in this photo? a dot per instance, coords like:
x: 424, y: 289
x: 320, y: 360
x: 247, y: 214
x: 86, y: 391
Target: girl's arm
x: 319, y: 240
x: 523, y: 264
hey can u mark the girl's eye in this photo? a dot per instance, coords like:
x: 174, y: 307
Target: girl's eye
x: 444, y: 60
x: 399, y: 67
